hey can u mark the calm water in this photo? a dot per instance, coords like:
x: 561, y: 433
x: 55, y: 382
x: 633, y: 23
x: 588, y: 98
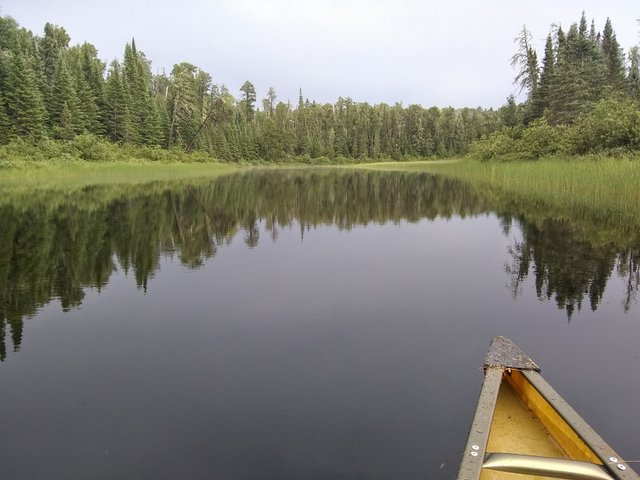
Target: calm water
x: 292, y: 325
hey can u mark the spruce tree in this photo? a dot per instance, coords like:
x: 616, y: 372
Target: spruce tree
x: 64, y: 107
x: 52, y: 47
x: 540, y: 99
x: 633, y: 77
x: 613, y: 57
x: 87, y: 71
x: 247, y: 99
x: 5, y: 124
x: 142, y: 108
x: 578, y: 75
x: 182, y: 103
x: 117, y: 118
x: 23, y: 101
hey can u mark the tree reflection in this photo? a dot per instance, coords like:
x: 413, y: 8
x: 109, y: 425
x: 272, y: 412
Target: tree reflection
x: 55, y: 245
x: 567, y: 266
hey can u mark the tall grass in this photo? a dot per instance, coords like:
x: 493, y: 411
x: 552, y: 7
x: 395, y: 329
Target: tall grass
x: 81, y: 174
x: 602, y: 187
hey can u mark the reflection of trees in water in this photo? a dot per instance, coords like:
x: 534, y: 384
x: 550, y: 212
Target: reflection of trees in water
x: 54, y: 249
x: 628, y: 268
x: 58, y: 245
x: 568, y: 267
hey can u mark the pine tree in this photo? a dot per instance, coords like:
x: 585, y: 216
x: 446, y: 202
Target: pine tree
x: 578, y: 75
x: 269, y: 102
x: 117, y: 117
x: 527, y: 61
x: 540, y: 100
x: 247, y: 99
x: 5, y: 124
x: 64, y: 107
x: 142, y: 108
x: 183, y: 104
x: 52, y: 46
x: 23, y: 101
x: 633, y: 77
x: 613, y: 57
x: 88, y: 71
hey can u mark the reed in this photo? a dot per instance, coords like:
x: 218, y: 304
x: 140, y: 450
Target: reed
x: 602, y: 187
x: 80, y: 174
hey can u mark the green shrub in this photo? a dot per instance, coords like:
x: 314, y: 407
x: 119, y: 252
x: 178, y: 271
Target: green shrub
x: 494, y: 147
x: 540, y: 139
x: 91, y: 148
x: 612, y: 126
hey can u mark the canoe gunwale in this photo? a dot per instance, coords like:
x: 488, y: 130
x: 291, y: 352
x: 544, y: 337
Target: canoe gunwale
x: 504, y: 357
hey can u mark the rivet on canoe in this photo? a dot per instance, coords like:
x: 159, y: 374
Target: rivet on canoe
x: 475, y: 454
x: 613, y: 459
x: 621, y: 467
x: 476, y: 447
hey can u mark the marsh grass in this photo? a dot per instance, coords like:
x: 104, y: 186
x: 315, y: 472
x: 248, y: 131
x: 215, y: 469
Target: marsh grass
x: 602, y: 187
x: 80, y: 174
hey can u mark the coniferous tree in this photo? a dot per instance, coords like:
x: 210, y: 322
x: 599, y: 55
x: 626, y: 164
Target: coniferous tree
x: 117, y: 118
x: 526, y: 60
x: 633, y: 77
x: 269, y: 102
x: 540, y: 99
x: 23, y: 100
x: 137, y: 83
x: 52, y: 46
x: 64, y: 107
x: 182, y: 101
x: 5, y: 123
x: 89, y: 74
x: 247, y: 99
x: 613, y: 57
x: 578, y: 75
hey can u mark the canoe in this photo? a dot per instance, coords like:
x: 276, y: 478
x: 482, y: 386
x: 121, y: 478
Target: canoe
x: 523, y: 429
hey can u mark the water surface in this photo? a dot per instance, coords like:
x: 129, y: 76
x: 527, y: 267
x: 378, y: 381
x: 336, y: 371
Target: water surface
x: 303, y: 324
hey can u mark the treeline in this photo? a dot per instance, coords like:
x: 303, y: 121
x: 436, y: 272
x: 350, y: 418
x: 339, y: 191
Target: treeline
x: 51, y: 90
x: 584, y: 97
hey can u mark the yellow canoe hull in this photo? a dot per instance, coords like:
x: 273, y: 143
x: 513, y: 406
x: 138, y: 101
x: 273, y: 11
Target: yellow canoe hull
x: 523, y: 429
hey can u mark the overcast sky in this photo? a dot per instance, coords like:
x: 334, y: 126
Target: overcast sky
x: 445, y: 53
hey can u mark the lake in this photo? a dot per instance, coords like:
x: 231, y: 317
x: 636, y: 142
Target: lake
x: 316, y: 324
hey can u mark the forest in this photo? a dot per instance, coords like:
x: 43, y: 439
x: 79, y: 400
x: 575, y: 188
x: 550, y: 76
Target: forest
x: 581, y: 98
x: 51, y: 90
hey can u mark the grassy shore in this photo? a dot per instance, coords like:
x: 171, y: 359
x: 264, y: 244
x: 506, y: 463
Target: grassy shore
x: 607, y: 188
x: 600, y: 187
x: 79, y: 174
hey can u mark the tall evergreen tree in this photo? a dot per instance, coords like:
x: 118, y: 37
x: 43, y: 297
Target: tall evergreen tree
x: 526, y: 60
x: 23, y: 100
x: 89, y: 73
x: 540, y: 99
x: 64, y: 108
x: 578, y: 75
x: 633, y: 77
x: 117, y: 118
x: 52, y: 46
x: 183, y: 104
x: 137, y: 83
x: 613, y: 57
x: 247, y: 99
x: 269, y: 102
x: 5, y: 123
